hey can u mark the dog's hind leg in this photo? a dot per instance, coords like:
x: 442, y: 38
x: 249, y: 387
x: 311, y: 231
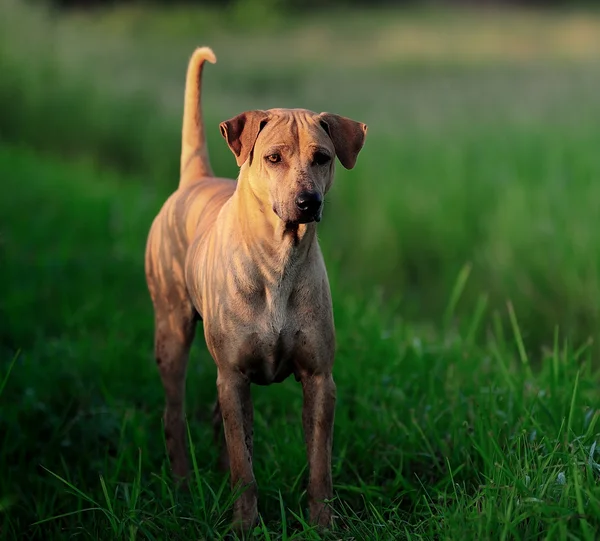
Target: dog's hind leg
x: 219, y: 436
x: 174, y: 333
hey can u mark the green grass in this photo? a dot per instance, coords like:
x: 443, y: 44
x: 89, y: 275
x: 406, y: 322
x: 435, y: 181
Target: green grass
x: 436, y: 436
x: 482, y: 145
x: 463, y: 252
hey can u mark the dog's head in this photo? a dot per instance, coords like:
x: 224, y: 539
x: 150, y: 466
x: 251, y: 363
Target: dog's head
x: 288, y: 156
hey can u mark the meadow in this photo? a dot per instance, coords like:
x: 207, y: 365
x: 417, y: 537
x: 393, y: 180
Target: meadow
x: 463, y: 254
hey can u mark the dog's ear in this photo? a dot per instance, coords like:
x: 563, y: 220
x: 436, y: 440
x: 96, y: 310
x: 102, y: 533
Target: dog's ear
x: 348, y: 136
x: 241, y: 132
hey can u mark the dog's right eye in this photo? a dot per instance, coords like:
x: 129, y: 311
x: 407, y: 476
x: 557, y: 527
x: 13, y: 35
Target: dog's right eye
x: 273, y: 158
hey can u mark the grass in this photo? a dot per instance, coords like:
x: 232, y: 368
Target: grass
x: 436, y: 436
x: 481, y: 149
x: 462, y: 251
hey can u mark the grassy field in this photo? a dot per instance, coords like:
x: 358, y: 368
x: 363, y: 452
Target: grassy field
x: 463, y: 251
x: 481, y: 150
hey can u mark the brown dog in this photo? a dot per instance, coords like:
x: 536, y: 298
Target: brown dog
x: 243, y: 257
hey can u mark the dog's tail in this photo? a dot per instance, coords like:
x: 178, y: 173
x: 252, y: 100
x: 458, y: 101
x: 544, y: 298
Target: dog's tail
x: 194, y: 153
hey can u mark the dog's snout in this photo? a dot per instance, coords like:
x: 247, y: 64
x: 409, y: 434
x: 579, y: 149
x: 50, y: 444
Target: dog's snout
x: 309, y: 202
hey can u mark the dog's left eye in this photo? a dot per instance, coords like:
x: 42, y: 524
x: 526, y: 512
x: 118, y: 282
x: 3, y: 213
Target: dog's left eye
x: 320, y: 158
x: 274, y: 158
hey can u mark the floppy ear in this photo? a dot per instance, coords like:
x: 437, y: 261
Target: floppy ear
x: 348, y: 136
x: 241, y: 132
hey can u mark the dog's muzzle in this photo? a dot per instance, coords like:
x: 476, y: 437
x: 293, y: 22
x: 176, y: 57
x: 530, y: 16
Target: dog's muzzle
x: 309, y: 205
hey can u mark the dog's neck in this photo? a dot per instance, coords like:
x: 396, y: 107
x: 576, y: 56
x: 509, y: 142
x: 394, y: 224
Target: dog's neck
x: 275, y: 246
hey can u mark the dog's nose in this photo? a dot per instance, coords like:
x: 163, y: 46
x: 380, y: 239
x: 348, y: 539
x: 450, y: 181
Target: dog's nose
x: 309, y: 202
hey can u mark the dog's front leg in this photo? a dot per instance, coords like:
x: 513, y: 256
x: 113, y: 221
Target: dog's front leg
x: 235, y: 402
x: 317, y: 418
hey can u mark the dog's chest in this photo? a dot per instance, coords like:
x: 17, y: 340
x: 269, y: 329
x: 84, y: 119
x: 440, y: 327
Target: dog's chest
x: 268, y: 357
x: 261, y: 333
x: 271, y: 345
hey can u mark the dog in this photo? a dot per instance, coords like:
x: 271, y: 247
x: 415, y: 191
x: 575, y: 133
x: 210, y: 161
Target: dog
x: 242, y: 257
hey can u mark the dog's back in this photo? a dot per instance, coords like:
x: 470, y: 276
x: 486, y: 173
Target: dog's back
x: 190, y: 209
x: 196, y: 203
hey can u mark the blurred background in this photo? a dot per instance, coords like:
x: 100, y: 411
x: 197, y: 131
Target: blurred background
x: 479, y: 183
x: 483, y: 128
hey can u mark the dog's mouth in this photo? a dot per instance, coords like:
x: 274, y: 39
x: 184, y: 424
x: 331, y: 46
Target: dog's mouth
x: 301, y: 218
x: 308, y: 219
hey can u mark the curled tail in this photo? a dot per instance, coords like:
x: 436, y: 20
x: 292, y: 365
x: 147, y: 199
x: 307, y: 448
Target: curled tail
x: 194, y: 153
